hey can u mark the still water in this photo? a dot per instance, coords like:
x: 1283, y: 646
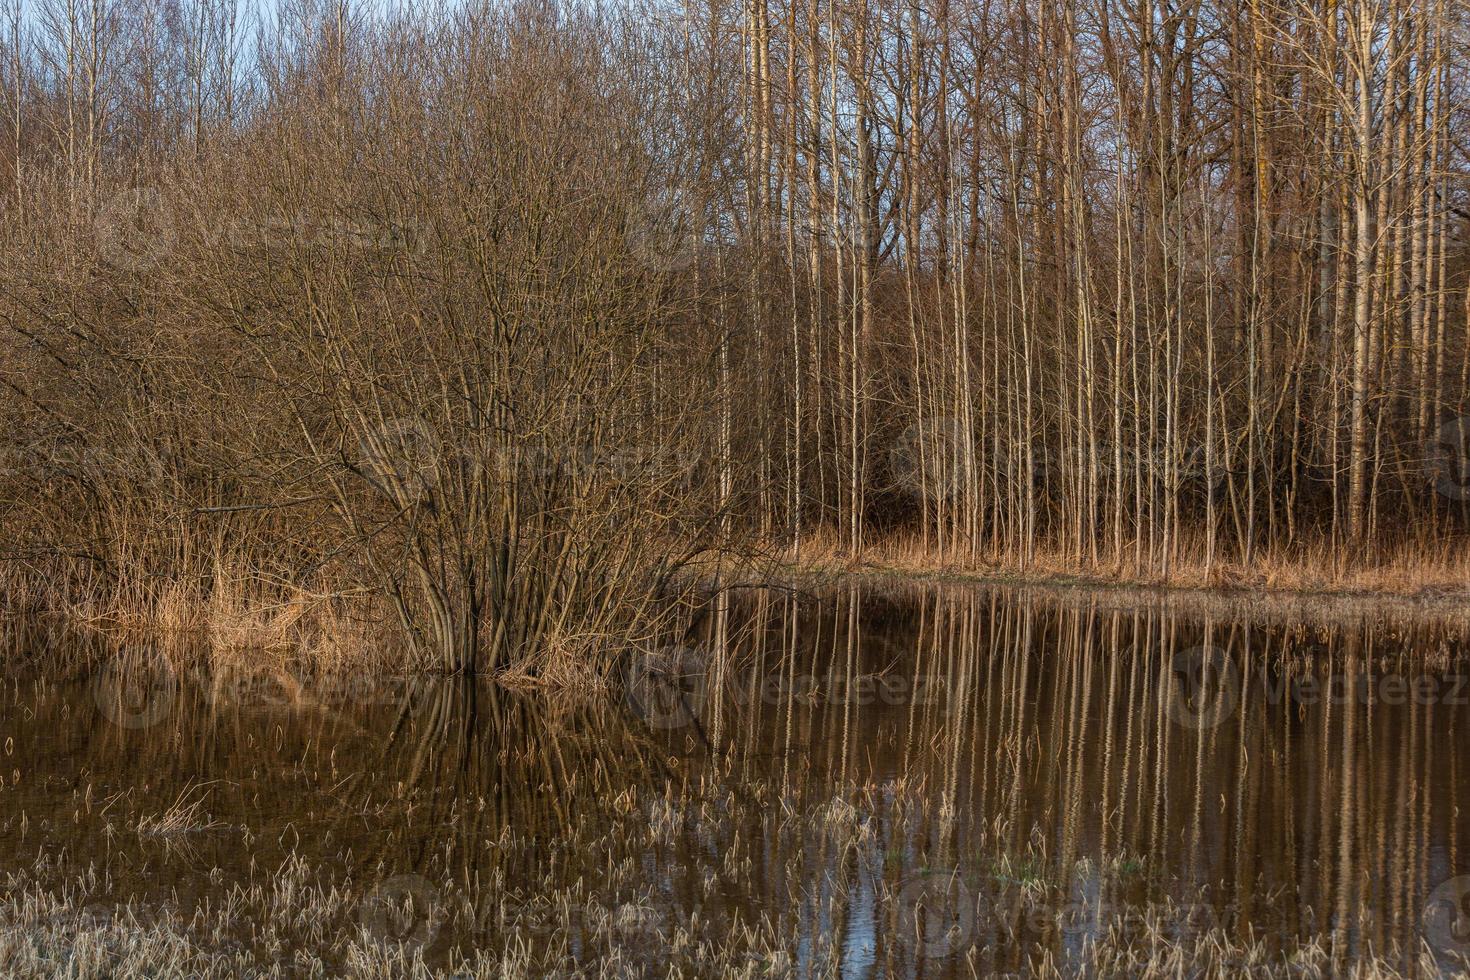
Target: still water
x: 868, y: 783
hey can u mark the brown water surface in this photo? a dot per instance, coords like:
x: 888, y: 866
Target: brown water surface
x: 937, y: 783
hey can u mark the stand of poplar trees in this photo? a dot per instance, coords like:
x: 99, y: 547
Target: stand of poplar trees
x: 1122, y: 279
x: 1129, y: 281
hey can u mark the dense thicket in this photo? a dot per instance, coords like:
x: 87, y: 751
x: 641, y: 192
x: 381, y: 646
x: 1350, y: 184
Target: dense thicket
x: 496, y: 313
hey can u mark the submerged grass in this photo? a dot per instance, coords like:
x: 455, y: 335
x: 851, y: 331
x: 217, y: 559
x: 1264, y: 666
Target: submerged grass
x: 839, y: 907
x: 185, y: 816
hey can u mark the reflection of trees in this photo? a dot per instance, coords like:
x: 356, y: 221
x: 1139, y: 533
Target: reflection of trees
x: 1054, y: 739
x: 1043, y: 765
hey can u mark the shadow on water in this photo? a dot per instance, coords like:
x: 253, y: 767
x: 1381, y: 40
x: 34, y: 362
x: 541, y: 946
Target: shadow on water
x: 861, y: 784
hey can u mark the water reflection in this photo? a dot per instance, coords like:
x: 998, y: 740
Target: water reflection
x: 863, y: 784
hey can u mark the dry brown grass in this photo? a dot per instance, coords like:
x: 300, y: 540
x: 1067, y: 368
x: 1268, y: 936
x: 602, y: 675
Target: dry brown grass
x: 304, y: 918
x: 1409, y: 568
x: 186, y: 815
x: 232, y: 616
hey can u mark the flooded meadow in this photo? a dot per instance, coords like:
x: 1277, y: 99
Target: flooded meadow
x: 869, y: 782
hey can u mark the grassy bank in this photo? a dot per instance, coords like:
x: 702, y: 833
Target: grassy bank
x: 227, y: 611
x: 1435, y: 573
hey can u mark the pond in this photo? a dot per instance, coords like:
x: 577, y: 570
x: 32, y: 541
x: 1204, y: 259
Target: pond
x: 872, y: 782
